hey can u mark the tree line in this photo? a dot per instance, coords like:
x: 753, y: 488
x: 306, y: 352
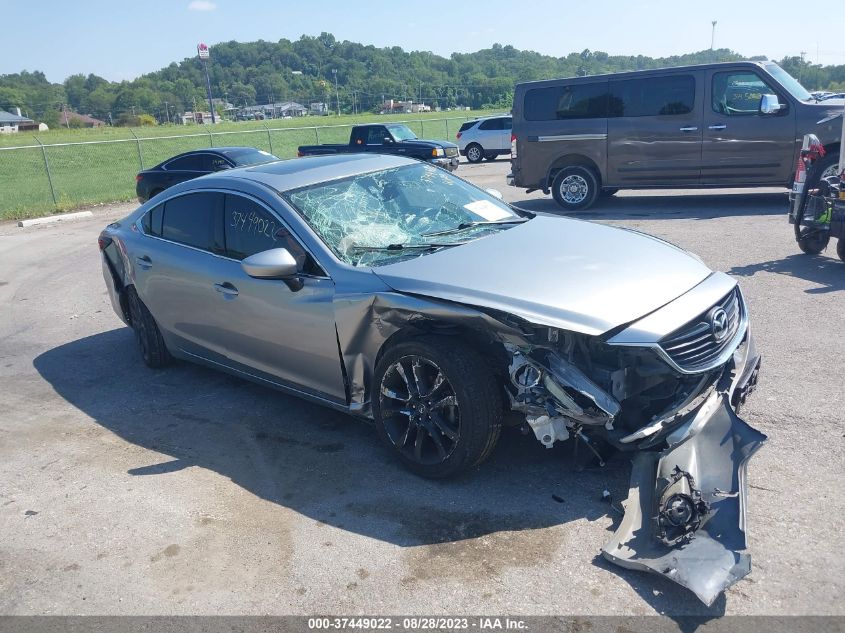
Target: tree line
x: 342, y: 74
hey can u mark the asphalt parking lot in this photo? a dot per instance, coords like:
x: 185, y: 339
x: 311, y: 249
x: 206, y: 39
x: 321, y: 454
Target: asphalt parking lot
x: 184, y: 491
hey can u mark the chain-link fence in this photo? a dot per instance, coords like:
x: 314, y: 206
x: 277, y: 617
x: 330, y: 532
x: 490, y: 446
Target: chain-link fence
x: 45, y: 177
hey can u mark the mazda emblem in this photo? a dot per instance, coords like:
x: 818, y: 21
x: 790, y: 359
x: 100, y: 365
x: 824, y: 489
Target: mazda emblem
x: 719, y: 323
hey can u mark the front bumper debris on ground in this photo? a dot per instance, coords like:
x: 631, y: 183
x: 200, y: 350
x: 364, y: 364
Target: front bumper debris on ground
x: 685, y: 513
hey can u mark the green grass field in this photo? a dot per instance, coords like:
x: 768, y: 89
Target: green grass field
x: 93, y: 166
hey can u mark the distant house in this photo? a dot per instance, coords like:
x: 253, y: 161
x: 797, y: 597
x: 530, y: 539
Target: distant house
x: 11, y: 123
x: 318, y: 107
x: 392, y: 106
x: 273, y: 110
x: 69, y: 118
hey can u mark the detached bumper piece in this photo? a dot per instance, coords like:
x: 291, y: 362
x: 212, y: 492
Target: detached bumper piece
x: 685, y: 513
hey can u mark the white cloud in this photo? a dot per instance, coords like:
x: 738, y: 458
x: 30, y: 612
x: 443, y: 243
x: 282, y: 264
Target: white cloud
x: 201, y: 5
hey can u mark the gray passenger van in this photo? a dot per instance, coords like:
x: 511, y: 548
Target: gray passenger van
x: 736, y: 124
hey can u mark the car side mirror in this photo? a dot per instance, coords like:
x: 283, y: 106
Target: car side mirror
x: 277, y: 263
x: 769, y: 104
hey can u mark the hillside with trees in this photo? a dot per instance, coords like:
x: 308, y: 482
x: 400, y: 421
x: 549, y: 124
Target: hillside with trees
x: 303, y: 71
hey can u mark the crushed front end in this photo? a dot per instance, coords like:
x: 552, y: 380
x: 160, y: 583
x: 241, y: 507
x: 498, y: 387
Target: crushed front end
x: 667, y: 388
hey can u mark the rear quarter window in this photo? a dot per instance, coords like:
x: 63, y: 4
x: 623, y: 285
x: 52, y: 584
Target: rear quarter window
x: 468, y: 125
x: 567, y: 101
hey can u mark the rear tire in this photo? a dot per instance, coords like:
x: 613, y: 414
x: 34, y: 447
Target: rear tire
x: 840, y: 248
x: 575, y: 187
x: 475, y: 153
x: 436, y: 406
x: 153, y: 350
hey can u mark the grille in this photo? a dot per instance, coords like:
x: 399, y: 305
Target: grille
x: 695, y: 346
x: 451, y: 151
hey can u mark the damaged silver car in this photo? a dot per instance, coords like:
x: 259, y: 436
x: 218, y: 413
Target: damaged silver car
x: 393, y: 290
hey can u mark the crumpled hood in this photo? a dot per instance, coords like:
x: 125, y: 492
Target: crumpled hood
x: 564, y: 273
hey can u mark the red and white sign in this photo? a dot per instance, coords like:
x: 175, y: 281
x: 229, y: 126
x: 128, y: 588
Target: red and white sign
x: 202, y: 49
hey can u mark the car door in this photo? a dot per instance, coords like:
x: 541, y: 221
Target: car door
x: 741, y: 144
x: 285, y: 331
x: 654, y: 130
x: 490, y: 134
x: 173, y: 266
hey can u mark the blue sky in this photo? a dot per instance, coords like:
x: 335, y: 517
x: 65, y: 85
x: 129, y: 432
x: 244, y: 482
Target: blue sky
x: 123, y: 40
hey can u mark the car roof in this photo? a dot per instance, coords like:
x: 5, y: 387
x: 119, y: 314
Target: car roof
x: 226, y: 151
x: 492, y: 116
x: 293, y: 173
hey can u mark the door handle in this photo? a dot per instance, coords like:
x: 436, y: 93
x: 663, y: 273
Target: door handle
x: 691, y: 128
x: 144, y: 262
x: 226, y: 289
x: 720, y: 126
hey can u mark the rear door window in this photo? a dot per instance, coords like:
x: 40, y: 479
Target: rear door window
x: 570, y: 101
x: 491, y: 124
x: 195, y: 219
x: 652, y: 96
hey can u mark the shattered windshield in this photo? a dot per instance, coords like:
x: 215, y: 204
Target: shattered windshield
x: 408, y: 211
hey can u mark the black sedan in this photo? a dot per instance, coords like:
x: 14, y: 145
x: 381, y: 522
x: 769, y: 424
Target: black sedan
x: 194, y: 164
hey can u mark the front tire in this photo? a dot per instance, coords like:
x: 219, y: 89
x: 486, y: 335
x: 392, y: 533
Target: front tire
x: 575, y: 187
x: 153, y: 350
x: 436, y: 406
x: 475, y: 153
x: 813, y: 242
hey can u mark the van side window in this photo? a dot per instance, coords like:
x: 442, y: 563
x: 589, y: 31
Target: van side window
x: 653, y: 96
x: 571, y: 101
x: 738, y: 93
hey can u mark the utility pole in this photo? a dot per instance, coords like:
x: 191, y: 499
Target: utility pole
x: 202, y: 51
x: 64, y: 111
x: 713, y: 34
x: 801, y: 68
x: 336, y: 91
x: 167, y: 112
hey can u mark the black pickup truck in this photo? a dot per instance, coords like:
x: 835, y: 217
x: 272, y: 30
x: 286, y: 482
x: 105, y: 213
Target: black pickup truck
x: 391, y: 138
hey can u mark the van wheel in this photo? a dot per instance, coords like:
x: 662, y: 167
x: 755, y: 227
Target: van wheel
x: 475, y: 153
x: 575, y: 187
x: 436, y: 405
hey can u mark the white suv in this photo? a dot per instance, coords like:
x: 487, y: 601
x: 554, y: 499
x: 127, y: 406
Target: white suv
x: 485, y: 138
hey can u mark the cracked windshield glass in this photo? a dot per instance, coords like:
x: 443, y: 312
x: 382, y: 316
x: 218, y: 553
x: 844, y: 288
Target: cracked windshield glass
x: 379, y: 217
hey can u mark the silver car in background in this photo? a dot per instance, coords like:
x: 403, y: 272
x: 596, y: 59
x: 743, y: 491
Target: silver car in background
x: 393, y: 290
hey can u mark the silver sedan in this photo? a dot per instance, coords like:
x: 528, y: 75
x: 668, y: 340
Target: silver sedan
x: 393, y: 290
